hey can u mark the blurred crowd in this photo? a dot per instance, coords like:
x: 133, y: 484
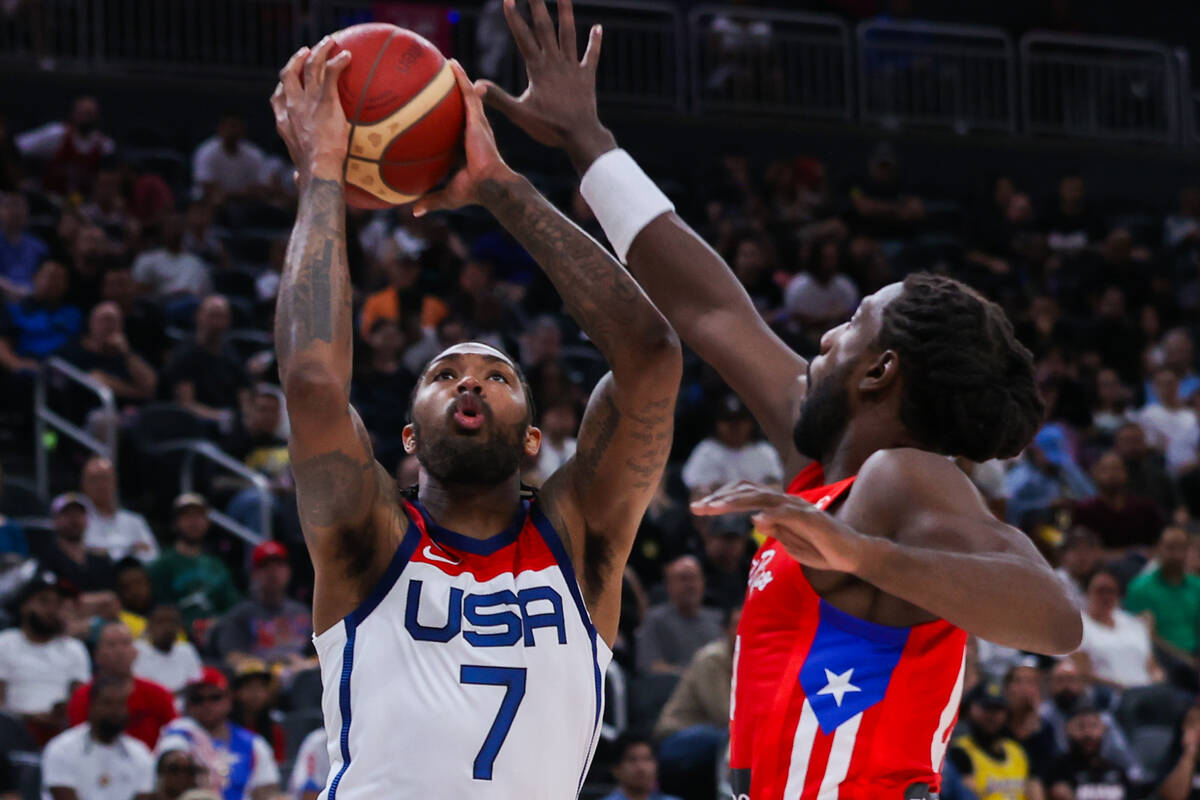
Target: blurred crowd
x: 150, y: 650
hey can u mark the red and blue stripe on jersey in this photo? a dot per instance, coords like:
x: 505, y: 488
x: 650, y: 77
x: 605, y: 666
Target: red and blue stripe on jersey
x: 826, y: 705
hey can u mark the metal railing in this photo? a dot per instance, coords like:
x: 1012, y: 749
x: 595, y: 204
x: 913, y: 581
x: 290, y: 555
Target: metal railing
x: 957, y: 76
x: 777, y: 62
x: 57, y: 369
x: 1098, y: 87
x: 198, y: 449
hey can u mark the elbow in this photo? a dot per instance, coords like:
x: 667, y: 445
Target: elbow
x: 658, y: 348
x: 1066, y: 632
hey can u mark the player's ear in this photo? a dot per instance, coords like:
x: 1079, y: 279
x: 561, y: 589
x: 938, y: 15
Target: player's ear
x: 533, y: 441
x: 409, y: 437
x: 884, y: 369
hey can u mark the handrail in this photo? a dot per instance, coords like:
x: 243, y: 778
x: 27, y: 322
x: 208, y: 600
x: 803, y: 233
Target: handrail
x: 44, y: 416
x: 199, y: 448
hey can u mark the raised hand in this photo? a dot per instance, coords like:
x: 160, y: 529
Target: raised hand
x: 308, y: 113
x: 558, y: 107
x: 808, y: 534
x: 483, y: 160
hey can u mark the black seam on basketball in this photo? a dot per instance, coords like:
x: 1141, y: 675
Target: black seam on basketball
x: 362, y: 96
x: 382, y: 163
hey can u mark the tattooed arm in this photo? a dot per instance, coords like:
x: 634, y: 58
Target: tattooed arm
x: 338, y: 483
x: 596, y: 499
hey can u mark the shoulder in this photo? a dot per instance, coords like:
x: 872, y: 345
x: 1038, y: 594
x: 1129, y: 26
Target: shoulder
x: 136, y: 749
x: 207, y: 147
x: 1146, y: 579
x: 151, y: 688
x: 906, y: 477
x: 72, y: 646
x: 10, y: 637
x: 67, y: 742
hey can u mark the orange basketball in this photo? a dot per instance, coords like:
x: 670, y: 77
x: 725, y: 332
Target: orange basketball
x: 405, y: 112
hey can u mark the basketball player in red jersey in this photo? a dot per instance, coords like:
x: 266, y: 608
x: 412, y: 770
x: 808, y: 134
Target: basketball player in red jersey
x: 881, y: 555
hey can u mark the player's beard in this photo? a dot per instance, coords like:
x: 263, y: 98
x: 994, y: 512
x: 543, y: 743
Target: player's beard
x: 471, y: 460
x: 823, y: 415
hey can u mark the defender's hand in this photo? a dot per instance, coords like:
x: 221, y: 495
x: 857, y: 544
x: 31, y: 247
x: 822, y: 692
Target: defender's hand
x: 808, y: 534
x: 558, y: 107
x: 308, y: 113
x: 483, y: 161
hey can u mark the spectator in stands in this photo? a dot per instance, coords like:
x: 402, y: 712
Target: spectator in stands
x: 96, y: 761
x: 1083, y: 771
x: 108, y: 210
x: 170, y: 274
x: 1182, y: 782
x: 150, y: 705
x: 1026, y: 726
x: 258, y: 445
x: 384, y: 386
x: 39, y: 665
x: 1078, y: 557
x: 752, y: 259
x: 103, y: 352
x: 145, y: 326
x: 1147, y: 478
x: 117, y: 531
x: 694, y: 724
x: 240, y: 761
x: 227, y: 167
x: 1178, y: 354
x: 199, y: 239
x: 89, y: 253
x: 402, y: 300
x: 821, y: 296
x: 1068, y: 689
x: 21, y: 253
x: 67, y: 556
x: 1110, y: 405
x: 177, y: 772
x: 131, y: 581
x: 725, y: 559
x: 206, y: 376
x: 1116, y: 650
x: 1171, y: 426
x: 184, y: 574
x: 1045, y: 478
x: 1071, y: 226
x: 879, y: 206
x: 40, y: 324
x: 311, y: 771
x: 1123, y: 521
x: 71, y: 150
x: 559, y: 423
x: 1181, y: 230
x: 253, y: 697
x: 164, y: 655
x: 1171, y: 598
x: 991, y: 764
x: 673, y: 631
x: 636, y: 771
x: 731, y: 453
x: 268, y: 625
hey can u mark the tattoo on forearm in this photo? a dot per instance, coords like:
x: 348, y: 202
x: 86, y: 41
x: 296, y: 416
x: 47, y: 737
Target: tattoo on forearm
x: 314, y: 297
x: 651, y: 430
x: 596, y: 290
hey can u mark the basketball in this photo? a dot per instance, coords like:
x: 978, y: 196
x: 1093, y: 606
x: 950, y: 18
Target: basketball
x: 405, y: 113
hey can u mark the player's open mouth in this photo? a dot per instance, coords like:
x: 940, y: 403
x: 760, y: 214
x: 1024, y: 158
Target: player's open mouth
x: 468, y: 412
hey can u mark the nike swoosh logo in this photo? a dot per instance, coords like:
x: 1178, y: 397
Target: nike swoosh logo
x: 432, y: 556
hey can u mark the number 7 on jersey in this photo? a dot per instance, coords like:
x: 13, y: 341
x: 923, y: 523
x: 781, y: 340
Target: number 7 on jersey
x: 513, y: 679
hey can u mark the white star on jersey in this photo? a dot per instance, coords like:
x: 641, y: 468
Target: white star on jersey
x: 839, y: 685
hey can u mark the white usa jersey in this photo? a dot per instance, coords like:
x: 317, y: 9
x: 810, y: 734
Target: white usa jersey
x: 472, y: 671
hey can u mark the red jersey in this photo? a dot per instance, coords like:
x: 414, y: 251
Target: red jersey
x: 151, y: 707
x: 827, y: 706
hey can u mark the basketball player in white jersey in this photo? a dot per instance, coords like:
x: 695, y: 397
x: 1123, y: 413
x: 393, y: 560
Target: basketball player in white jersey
x: 462, y: 633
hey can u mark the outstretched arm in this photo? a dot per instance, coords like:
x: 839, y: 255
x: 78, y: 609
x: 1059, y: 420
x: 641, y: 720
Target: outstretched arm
x: 915, y: 528
x: 599, y: 496
x: 338, y: 482
x: 686, y: 279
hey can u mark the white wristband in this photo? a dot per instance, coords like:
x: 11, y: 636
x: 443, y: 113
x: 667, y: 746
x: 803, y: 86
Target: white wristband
x: 623, y: 198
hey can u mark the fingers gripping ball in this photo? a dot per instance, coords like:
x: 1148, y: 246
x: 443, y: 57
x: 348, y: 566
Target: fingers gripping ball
x: 405, y: 113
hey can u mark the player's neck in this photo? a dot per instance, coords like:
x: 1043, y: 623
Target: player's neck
x: 863, y: 437
x: 475, y: 511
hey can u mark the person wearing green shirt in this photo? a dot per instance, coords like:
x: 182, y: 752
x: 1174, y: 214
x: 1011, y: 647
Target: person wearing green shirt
x: 185, y: 575
x: 1170, y: 595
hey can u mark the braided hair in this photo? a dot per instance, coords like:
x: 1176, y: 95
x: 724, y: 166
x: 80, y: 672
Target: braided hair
x: 969, y: 387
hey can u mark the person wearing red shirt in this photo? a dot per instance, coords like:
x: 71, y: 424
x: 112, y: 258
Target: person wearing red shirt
x: 151, y: 706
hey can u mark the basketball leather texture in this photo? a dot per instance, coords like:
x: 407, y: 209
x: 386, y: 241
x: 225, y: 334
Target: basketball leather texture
x: 405, y: 112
